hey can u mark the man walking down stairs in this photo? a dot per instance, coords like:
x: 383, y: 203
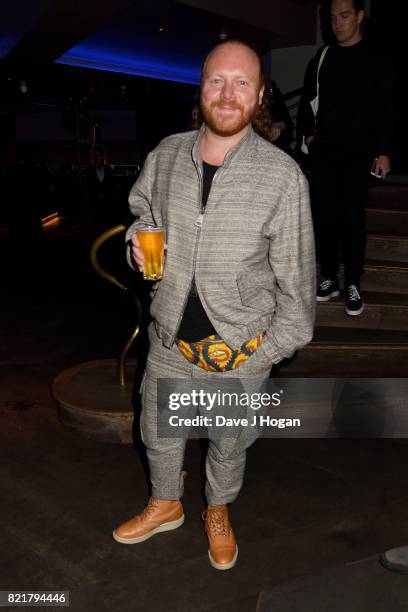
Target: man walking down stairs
x: 375, y: 344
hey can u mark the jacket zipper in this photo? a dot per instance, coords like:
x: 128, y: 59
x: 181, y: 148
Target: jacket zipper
x: 198, y: 222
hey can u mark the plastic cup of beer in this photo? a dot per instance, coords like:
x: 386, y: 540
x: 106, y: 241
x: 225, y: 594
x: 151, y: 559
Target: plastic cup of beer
x: 151, y: 241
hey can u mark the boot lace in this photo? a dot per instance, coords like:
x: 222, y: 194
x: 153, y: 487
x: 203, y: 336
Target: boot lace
x: 353, y: 294
x: 326, y: 284
x: 215, y: 523
x: 150, y: 508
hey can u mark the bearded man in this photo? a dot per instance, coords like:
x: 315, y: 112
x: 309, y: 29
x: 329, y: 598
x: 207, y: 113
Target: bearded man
x: 238, y: 279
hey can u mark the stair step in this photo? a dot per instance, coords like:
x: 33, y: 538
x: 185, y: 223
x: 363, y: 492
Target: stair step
x: 389, y: 221
x: 359, y: 337
x: 382, y: 276
x: 386, y: 311
x: 397, y: 180
x: 351, y: 353
x: 385, y: 276
x: 374, y: 344
x: 387, y: 247
x: 388, y: 197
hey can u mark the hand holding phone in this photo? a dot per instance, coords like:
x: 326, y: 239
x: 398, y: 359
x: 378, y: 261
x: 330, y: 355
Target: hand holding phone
x: 382, y: 165
x: 373, y: 173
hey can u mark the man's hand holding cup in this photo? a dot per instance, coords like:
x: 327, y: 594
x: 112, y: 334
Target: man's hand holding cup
x: 147, y: 248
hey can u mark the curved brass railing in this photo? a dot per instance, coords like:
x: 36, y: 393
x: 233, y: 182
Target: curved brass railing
x: 114, y: 231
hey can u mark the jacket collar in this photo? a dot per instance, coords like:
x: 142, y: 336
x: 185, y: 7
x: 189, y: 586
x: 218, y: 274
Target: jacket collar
x: 239, y: 149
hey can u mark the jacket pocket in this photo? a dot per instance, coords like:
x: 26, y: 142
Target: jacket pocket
x: 257, y: 290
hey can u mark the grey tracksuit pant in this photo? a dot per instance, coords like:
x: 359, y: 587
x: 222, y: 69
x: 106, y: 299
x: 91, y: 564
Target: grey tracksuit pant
x: 225, y: 462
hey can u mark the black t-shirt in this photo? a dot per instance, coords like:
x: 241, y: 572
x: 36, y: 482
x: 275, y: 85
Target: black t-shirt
x: 355, y: 99
x: 195, y: 325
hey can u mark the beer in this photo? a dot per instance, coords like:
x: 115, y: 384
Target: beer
x: 151, y: 240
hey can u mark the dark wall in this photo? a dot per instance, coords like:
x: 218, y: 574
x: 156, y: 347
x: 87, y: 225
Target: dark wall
x: 388, y: 32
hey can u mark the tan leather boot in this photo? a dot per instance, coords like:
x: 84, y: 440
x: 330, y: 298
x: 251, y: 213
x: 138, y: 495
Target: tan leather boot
x: 223, y: 549
x: 159, y: 515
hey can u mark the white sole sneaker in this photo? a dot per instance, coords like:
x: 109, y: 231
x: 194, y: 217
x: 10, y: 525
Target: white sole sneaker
x: 224, y: 566
x: 326, y: 298
x: 163, y: 527
x: 353, y: 313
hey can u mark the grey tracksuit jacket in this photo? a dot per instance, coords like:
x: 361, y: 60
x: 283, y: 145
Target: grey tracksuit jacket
x: 251, y: 252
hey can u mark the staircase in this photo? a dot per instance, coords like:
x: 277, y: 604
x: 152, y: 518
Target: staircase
x: 374, y: 344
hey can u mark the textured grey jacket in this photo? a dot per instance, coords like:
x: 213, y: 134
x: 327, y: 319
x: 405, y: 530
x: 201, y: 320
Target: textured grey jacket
x: 251, y: 253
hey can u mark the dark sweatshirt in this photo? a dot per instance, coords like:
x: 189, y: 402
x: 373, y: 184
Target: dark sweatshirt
x: 355, y: 99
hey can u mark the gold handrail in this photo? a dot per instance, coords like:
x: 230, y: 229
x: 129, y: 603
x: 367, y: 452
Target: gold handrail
x: 114, y: 231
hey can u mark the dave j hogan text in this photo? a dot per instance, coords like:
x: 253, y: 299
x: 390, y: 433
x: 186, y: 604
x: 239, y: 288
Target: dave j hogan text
x: 256, y: 420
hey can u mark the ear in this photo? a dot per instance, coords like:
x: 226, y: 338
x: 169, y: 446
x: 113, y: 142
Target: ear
x: 360, y: 16
x: 260, y: 95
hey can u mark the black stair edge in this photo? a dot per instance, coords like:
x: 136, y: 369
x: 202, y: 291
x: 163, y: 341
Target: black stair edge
x: 338, y: 337
x: 387, y: 236
x: 384, y: 264
x: 397, y: 180
x: 373, y: 299
x: 379, y: 264
x: 319, y: 345
x: 392, y: 211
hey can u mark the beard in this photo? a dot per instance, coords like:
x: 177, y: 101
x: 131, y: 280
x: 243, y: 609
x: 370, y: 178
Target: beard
x: 227, y: 124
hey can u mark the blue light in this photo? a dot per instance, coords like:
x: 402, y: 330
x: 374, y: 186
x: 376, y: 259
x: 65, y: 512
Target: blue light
x: 104, y: 59
x: 7, y: 43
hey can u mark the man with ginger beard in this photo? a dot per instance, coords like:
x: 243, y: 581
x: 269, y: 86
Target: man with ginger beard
x: 237, y: 293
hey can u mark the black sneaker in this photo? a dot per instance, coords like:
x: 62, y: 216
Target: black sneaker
x: 353, y: 302
x: 328, y: 289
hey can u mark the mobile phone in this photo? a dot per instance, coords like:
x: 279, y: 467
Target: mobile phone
x: 379, y: 176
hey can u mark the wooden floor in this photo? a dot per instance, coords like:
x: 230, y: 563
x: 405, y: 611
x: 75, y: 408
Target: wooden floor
x: 312, y: 517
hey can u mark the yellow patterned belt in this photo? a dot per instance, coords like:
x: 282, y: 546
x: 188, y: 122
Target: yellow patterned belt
x: 214, y: 355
